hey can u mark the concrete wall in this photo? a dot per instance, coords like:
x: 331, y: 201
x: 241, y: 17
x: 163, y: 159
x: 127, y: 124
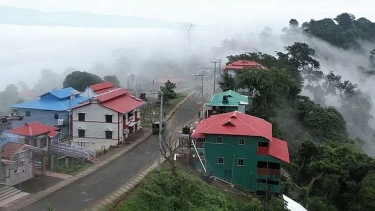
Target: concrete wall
x: 15, y: 174
x: 96, y: 126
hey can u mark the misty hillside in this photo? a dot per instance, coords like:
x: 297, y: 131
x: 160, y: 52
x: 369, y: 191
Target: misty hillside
x: 17, y: 16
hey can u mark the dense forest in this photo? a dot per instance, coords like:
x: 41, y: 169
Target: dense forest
x: 329, y: 170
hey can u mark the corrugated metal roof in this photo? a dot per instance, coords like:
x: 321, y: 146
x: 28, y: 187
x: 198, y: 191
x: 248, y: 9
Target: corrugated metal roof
x: 63, y: 93
x: 111, y: 94
x: 241, y: 64
x: 52, y: 105
x: 122, y: 103
x: 119, y: 100
x: 236, y: 123
x: 33, y: 129
x: 233, y: 99
x: 101, y: 86
x: 279, y: 149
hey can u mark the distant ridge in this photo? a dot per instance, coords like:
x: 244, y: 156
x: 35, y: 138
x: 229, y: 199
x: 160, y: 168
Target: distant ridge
x: 17, y: 16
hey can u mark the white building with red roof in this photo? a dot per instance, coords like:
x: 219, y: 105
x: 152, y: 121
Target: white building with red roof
x: 106, y: 119
x: 239, y: 65
x: 240, y: 149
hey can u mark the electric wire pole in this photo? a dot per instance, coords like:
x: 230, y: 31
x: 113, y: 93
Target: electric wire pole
x: 215, y: 62
x: 202, y: 114
x: 160, y: 130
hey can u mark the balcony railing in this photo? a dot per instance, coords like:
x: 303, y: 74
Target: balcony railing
x: 269, y: 172
x: 262, y: 150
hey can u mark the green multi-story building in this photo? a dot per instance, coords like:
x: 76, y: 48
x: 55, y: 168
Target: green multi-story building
x: 226, y: 102
x: 239, y: 149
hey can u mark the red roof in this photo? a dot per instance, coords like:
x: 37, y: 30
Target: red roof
x: 52, y: 133
x: 119, y: 100
x: 102, y: 87
x: 279, y: 149
x: 33, y: 129
x: 236, y: 123
x: 10, y: 149
x: 111, y: 94
x: 241, y: 64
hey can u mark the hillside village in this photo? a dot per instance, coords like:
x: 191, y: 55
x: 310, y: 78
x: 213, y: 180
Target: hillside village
x: 267, y: 138
x: 228, y: 144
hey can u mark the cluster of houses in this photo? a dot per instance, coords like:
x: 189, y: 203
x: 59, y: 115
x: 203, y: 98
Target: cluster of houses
x: 231, y: 145
x: 96, y: 119
x: 235, y: 147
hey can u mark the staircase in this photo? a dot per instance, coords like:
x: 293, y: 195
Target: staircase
x: 72, y: 151
x: 9, y: 194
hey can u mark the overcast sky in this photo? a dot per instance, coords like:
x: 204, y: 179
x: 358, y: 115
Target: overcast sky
x: 208, y: 11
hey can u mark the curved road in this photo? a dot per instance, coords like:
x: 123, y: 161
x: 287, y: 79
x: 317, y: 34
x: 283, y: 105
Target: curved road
x: 85, y: 192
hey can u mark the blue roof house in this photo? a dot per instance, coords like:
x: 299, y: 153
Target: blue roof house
x: 52, y: 108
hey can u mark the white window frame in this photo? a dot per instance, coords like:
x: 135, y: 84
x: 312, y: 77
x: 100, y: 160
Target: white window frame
x: 218, y: 160
x: 238, y: 161
x: 219, y: 138
x: 241, y: 139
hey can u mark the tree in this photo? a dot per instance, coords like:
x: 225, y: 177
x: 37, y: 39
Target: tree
x: 81, y: 80
x: 345, y: 20
x: 113, y: 79
x: 9, y: 96
x: 48, y: 81
x: 273, y: 85
x: 168, y: 148
x: 188, y: 29
x: 228, y: 82
x: 168, y: 91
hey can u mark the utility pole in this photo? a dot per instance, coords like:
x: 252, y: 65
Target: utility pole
x: 220, y: 69
x: 201, y: 75
x: 215, y: 62
x: 160, y: 129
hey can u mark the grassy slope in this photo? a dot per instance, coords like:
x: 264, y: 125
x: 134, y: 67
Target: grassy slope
x: 161, y: 192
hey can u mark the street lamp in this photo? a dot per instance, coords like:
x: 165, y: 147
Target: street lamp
x: 201, y: 75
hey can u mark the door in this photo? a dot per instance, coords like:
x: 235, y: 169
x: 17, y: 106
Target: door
x: 228, y: 176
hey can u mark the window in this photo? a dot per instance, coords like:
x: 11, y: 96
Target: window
x: 81, y: 117
x: 56, y: 115
x: 81, y: 133
x: 28, y: 113
x: 108, y: 118
x: 272, y: 165
x: 220, y: 160
x: 262, y: 164
x: 219, y: 139
x: 242, y: 141
x: 240, y: 161
x: 108, y: 134
x: 82, y: 144
x: 269, y: 182
x: 262, y: 144
x: 130, y: 115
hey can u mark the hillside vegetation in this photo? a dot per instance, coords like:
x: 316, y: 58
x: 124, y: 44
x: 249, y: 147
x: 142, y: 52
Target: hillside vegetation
x: 161, y: 191
x: 329, y: 170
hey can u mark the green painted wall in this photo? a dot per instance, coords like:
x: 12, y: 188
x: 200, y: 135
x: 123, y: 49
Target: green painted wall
x: 244, y: 176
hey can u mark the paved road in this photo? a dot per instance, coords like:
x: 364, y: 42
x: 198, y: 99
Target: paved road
x: 83, y: 194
